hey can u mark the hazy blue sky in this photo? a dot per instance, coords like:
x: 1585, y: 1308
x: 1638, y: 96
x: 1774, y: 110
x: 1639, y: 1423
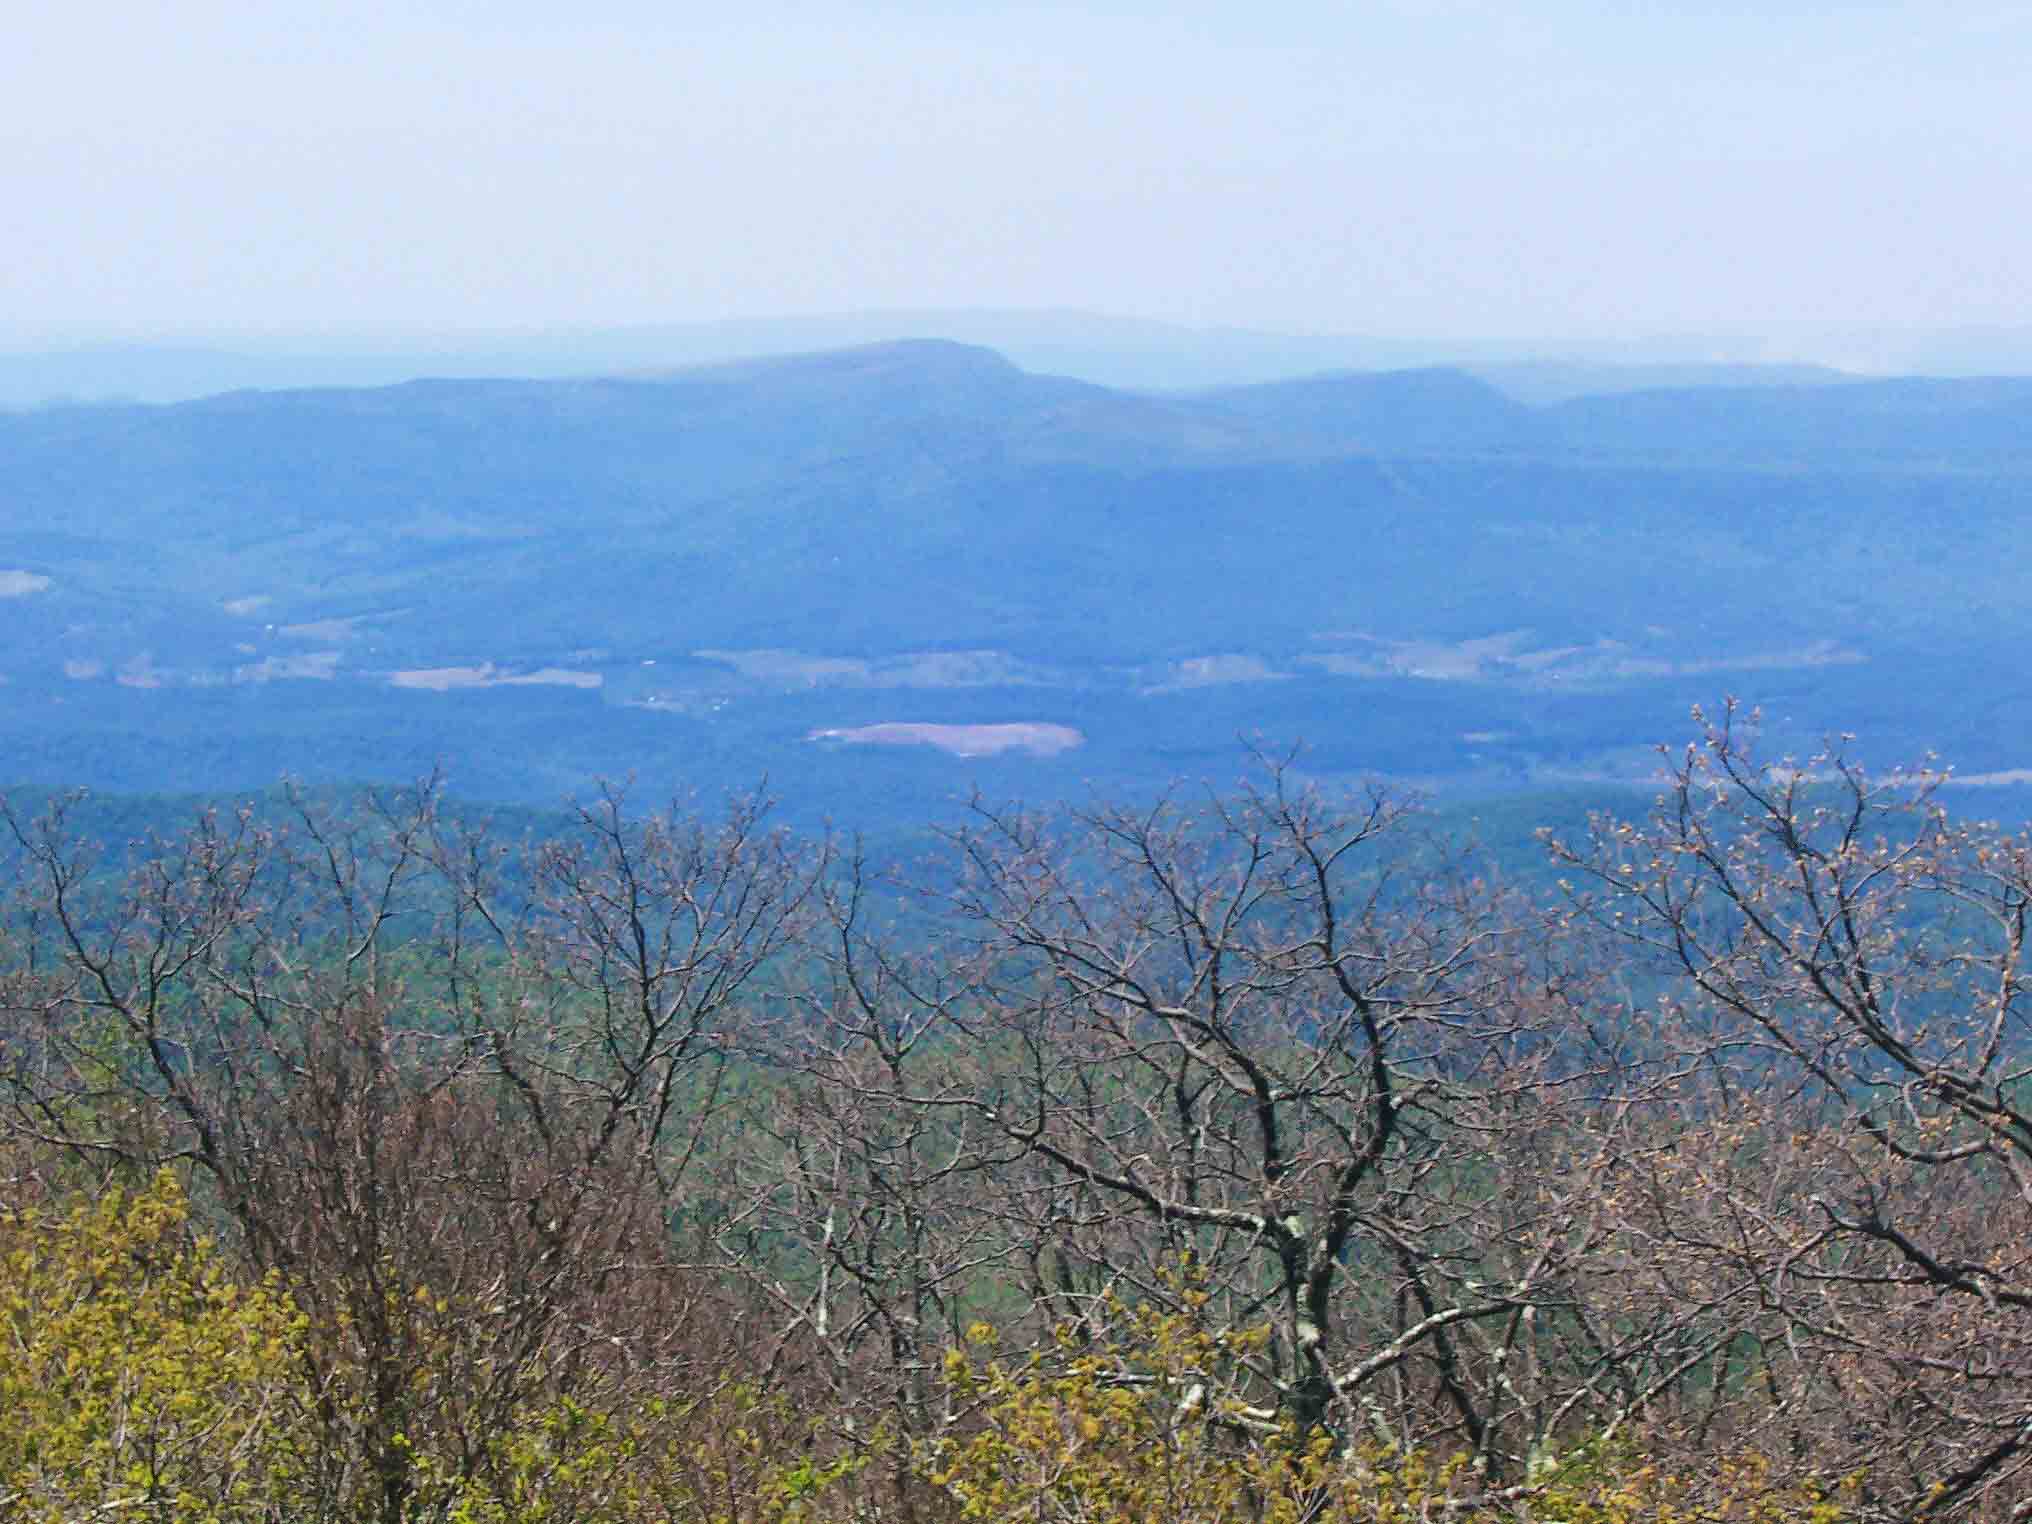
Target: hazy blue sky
x: 1442, y: 167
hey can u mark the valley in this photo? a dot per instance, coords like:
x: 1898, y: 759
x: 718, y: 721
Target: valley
x: 713, y: 575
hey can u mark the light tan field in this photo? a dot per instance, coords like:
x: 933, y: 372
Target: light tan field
x: 962, y: 740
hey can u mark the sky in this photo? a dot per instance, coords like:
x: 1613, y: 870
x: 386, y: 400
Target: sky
x: 1446, y: 168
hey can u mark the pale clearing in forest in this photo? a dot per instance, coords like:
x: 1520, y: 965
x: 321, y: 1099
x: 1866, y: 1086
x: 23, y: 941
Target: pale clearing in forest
x: 487, y: 675
x: 962, y: 740
x: 19, y: 584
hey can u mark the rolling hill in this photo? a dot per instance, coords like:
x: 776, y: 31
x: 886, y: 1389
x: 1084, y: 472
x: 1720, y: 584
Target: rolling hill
x: 863, y: 572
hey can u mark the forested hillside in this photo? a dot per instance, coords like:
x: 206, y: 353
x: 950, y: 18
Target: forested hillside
x: 1255, y: 1156
x: 886, y: 574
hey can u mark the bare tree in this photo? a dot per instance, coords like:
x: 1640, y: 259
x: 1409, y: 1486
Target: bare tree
x: 1845, y: 966
x: 446, y: 1089
x: 1726, y: 1153
x: 1349, y: 1095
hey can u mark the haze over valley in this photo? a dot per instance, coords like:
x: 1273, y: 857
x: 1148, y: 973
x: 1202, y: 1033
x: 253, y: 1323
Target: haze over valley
x: 870, y: 572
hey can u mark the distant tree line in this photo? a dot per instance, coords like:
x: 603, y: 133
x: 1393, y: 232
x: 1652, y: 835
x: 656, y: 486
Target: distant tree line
x: 1244, y: 1156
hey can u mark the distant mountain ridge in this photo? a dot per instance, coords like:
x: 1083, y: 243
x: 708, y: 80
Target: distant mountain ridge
x: 701, y: 568
x: 39, y: 366
x: 1391, y: 412
x: 1124, y: 353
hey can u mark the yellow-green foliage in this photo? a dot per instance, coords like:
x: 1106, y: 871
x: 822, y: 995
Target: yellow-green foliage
x: 1130, y: 1436
x: 138, y: 1378
x: 729, y: 1458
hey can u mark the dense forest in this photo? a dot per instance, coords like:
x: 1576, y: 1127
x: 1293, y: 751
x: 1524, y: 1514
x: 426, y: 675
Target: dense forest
x: 830, y: 568
x: 1256, y: 1155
